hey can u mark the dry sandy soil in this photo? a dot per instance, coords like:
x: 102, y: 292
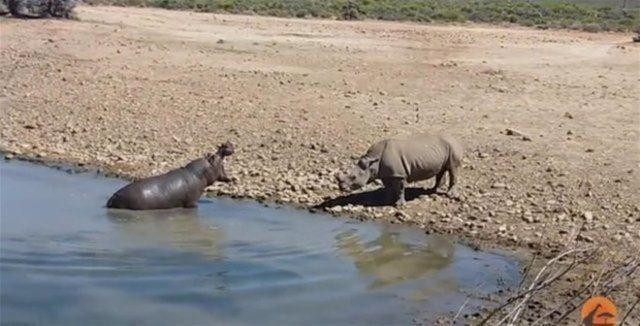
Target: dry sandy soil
x: 140, y: 91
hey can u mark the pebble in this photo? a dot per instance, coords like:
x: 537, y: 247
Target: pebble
x: 528, y: 218
x: 402, y: 216
x: 587, y: 216
x: 336, y: 209
x: 499, y: 185
x: 513, y: 132
x: 585, y: 238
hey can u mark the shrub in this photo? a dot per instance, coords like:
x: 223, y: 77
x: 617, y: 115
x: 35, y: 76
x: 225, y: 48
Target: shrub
x: 542, y: 13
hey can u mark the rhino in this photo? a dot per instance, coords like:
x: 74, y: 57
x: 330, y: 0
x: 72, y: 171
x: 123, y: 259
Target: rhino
x: 397, y: 162
x: 181, y: 187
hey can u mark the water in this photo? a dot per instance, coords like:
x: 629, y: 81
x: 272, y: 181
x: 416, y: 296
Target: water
x: 66, y: 260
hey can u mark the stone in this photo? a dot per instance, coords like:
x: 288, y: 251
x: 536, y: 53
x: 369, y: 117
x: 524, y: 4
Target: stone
x: 513, y: 132
x: 498, y: 185
x: 587, y: 216
x: 585, y: 238
x: 402, y: 216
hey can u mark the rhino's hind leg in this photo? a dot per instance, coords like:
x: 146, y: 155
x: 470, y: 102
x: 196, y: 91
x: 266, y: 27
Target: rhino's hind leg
x: 439, y: 177
x: 395, y: 190
x: 453, y: 188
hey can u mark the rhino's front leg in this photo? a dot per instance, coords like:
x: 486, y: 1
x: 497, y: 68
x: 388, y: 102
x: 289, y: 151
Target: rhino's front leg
x: 395, y: 190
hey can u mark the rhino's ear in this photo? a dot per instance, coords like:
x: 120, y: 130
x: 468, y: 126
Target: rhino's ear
x: 365, y: 162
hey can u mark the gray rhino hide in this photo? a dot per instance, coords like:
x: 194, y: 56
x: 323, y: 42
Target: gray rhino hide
x: 418, y: 158
x: 398, y: 161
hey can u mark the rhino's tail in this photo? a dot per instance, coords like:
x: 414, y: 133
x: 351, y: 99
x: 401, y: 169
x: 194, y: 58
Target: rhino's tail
x: 456, y: 151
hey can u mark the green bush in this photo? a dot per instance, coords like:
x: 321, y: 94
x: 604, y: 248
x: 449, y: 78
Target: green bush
x: 588, y: 14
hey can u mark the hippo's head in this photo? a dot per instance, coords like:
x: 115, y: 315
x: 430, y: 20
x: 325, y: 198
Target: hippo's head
x: 226, y: 149
x: 215, y: 169
x: 359, y: 175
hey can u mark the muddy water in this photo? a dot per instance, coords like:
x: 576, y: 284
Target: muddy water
x: 66, y: 260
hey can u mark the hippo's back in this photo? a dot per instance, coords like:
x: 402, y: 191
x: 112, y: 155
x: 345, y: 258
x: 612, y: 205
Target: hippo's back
x: 157, y: 192
x: 140, y: 194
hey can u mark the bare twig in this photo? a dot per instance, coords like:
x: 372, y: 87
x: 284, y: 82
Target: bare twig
x: 527, y: 270
x: 629, y: 312
x: 611, y: 274
x: 538, y: 284
x: 466, y: 302
x: 453, y: 321
x: 604, y: 282
x: 584, y: 288
x: 599, y: 278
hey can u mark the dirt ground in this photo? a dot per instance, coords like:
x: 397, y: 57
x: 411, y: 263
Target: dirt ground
x: 140, y: 91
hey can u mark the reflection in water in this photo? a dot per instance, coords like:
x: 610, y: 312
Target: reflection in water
x: 390, y: 261
x: 180, y: 228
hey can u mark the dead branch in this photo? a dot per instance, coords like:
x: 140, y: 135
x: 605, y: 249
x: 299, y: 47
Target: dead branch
x: 453, y: 321
x: 539, y: 283
x: 629, y: 311
x: 542, y: 280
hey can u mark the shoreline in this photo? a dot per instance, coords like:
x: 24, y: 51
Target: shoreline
x: 76, y: 168
x: 69, y: 166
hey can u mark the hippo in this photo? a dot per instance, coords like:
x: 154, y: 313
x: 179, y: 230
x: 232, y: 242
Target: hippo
x: 399, y: 161
x: 181, y: 187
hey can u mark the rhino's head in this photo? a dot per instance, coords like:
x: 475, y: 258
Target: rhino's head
x: 359, y: 175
